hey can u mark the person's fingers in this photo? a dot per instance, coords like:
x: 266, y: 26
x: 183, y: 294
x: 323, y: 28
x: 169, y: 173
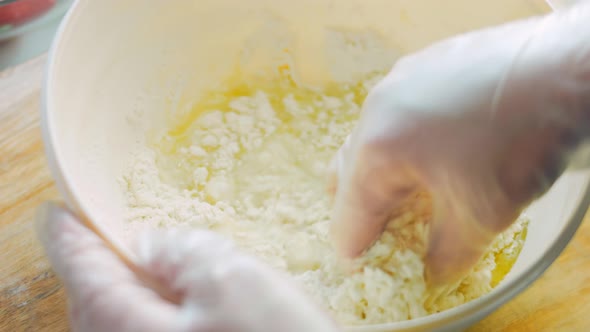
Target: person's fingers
x: 369, y: 192
x: 190, y: 262
x: 236, y: 291
x: 455, y: 244
x: 104, y: 294
x: 469, y: 210
x: 335, y: 168
x: 332, y: 176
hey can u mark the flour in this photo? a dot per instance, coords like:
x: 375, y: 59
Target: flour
x: 255, y: 171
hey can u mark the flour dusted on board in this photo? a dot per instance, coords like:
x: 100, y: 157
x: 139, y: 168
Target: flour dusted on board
x: 251, y: 164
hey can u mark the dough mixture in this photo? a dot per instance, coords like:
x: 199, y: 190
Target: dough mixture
x: 250, y: 162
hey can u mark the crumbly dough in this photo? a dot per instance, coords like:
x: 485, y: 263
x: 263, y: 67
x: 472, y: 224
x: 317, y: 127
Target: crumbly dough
x: 253, y: 167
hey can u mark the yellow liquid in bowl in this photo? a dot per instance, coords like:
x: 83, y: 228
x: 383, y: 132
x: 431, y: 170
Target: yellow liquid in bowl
x: 178, y: 167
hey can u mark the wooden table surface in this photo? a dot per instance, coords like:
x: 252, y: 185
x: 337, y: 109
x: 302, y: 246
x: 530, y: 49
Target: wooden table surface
x: 33, y: 299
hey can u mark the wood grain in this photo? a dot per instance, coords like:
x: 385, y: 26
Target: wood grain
x: 32, y: 298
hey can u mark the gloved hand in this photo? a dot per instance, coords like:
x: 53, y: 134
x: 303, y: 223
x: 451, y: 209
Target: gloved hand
x: 219, y: 288
x: 483, y: 122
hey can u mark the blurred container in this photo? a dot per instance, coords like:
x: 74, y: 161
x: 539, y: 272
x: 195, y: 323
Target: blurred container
x: 558, y: 4
x: 21, y: 16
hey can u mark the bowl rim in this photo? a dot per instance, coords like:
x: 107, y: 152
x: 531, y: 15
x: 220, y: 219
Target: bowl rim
x: 55, y: 163
x: 479, y: 307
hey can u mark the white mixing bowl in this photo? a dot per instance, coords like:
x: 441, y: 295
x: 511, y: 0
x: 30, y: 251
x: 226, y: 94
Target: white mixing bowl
x: 117, y: 67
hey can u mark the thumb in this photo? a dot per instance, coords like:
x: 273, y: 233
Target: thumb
x: 104, y: 294
x: 455, y: 244
x: 469, y: 210
x: 74, y: 251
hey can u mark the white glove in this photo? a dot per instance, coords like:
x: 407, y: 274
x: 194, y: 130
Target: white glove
x: 219, y: 288
x: 482, y: 121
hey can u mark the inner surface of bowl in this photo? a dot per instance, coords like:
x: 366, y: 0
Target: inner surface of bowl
x: 121, y: 70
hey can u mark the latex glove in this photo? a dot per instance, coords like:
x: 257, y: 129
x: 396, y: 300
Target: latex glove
x: 220, y: 289
x: 483, y: 122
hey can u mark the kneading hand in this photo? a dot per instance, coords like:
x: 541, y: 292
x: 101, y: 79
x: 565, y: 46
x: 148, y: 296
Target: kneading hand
x: 219, y: 289
x: 483, y: 122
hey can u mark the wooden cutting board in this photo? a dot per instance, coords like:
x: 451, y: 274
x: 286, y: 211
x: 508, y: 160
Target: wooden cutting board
x: 33, y: 299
